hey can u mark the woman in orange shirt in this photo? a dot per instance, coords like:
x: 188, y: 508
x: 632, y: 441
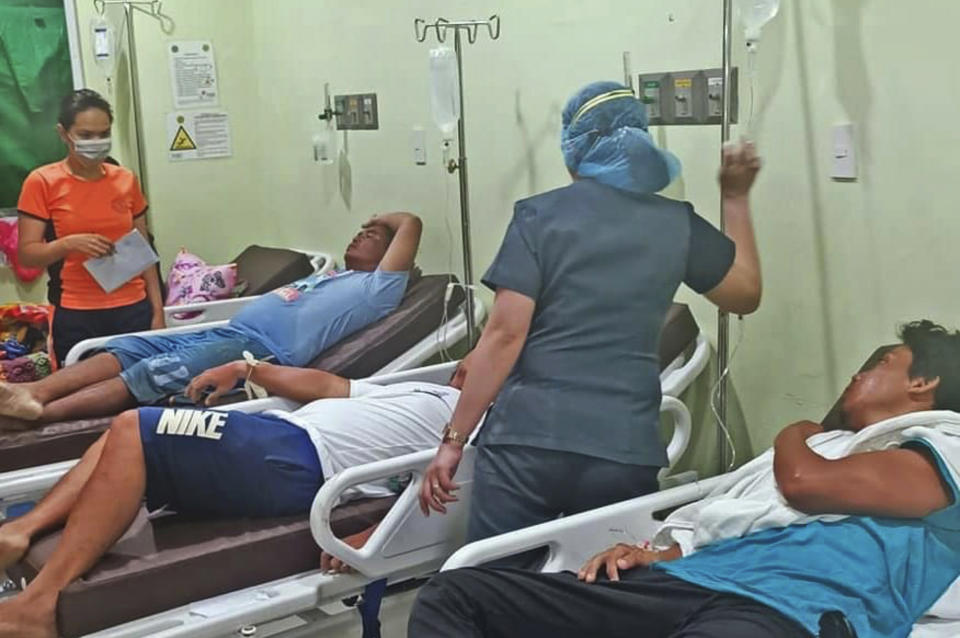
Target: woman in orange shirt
x: 74, y: 210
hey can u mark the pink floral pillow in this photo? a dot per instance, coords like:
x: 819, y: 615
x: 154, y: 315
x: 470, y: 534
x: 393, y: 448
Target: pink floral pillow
x: 191, y: 280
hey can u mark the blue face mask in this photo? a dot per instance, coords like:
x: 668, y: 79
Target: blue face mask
x: 93, y: 150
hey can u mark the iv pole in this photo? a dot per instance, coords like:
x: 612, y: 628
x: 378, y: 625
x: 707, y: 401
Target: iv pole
x: 723, y: 318
x: 154, y: 11
x: 470, y: 27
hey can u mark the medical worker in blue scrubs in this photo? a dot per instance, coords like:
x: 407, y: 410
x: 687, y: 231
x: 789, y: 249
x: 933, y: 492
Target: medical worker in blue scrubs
x: 583, y: 279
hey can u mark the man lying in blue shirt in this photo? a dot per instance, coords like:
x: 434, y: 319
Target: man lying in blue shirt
x: 292, y: 324
x: 882, y: 566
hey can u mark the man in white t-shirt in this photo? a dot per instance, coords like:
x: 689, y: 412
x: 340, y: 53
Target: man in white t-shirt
x: 217, y: 463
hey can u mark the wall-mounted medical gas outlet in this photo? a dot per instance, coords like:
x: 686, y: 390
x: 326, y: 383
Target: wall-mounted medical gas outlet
x: 687, y: 97
x: 357, y: 112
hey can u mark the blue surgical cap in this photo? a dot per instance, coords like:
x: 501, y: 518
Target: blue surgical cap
x: 605, y: 138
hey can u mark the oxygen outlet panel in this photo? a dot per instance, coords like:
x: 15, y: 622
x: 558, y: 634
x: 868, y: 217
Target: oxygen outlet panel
x: 357, y: 112
x: 687, y: 97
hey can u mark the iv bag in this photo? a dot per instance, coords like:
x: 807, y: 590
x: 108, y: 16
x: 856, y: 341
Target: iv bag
x: 755, y: 14
x: 104, y: 45
x: 444, y: 90
x: 325, y: 145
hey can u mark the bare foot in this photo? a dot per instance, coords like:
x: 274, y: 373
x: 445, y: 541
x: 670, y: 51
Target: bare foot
x: 22, y: 618
x: 18, y: 402
x: 13, y: 545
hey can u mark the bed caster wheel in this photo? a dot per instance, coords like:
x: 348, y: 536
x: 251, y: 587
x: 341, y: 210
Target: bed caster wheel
x: 248, y: 630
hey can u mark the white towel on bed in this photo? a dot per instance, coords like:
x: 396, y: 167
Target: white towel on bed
x: 748, y: 499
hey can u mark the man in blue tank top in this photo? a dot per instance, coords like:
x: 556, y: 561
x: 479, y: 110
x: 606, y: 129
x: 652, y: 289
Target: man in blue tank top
x: 879, y: 568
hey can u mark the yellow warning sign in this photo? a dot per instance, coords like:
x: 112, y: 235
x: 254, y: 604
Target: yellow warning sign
x: 182, y: 141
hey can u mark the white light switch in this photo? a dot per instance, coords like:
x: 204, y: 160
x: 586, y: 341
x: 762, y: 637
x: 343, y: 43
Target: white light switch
x: 419, y: 141
x: 844, y: 152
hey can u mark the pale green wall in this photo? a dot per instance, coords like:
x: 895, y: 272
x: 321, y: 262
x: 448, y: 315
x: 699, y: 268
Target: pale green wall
x: 844, y: 262
x: 13, y: 290
x: 514, y: 91
x: 211, y: 206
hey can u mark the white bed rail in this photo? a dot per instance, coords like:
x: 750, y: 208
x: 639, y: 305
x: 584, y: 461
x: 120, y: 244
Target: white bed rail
x: 571, y: 540
x: 405, y: 538
x: 221, y: 309
x: 88, y: 345
x: 206, y: 311
x: 28, y: 484
x: 674, y: 382
x: 682, y: 431
x: 240, y: 612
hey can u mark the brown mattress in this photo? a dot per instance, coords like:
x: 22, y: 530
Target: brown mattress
x: 358, y: 356
x: 188, y: 560
x: 173, y: 561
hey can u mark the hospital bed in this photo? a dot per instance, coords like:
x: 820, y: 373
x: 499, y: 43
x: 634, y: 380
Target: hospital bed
x: 262, y: 269
x: 250, y: 574
x: 571, y: 541
x: 421, y: 327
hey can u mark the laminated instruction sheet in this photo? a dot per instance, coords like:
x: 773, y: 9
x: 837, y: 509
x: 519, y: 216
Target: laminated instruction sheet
x: 193, y: 72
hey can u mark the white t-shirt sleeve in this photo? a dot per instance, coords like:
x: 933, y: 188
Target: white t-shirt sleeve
x: 363, y: 388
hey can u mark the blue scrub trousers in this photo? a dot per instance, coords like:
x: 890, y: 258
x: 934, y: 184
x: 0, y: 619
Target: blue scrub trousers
x: 516, y: 486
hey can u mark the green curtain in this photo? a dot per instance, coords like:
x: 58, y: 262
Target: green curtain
x: 34, y: 76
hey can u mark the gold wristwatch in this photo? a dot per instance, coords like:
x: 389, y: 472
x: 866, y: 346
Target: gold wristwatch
x: 452, y: 436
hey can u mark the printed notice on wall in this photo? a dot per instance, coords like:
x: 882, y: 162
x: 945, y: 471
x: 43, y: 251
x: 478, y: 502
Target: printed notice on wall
x: 195, y: 135
x: 193, y: 71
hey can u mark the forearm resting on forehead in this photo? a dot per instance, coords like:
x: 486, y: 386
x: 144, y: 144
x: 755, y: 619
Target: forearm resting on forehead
x: 406, y: 241
x: 394, y: 221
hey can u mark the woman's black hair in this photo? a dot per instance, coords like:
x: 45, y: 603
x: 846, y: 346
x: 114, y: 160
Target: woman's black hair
x: 80, y: 101
x: 936, y: 354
